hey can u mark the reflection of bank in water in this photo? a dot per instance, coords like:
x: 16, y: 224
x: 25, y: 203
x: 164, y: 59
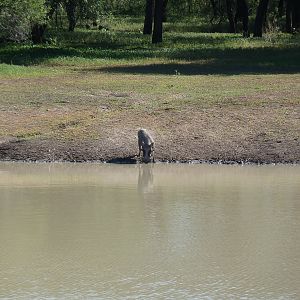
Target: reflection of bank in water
x: 145, y: 181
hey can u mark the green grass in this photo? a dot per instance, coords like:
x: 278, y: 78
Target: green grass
x: 124, y: 44
x: 73, y: 87
x: 10, y: 70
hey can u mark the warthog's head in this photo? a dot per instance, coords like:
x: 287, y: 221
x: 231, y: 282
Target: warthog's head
x: 147, y: 153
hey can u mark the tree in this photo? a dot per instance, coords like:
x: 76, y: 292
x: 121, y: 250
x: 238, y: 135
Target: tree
x: 17, y: 17
x: 261, y: 14
x: 158, y: 20
x: 280, y: 8
x: 53, y: 6
x: 296, y: 15
x: 81, y: 9
x: 70, y: 6
x: 148, y: 22
x: 214, y: 9
x: 37, y: 33
x: 148, y: 17
x: 230, y: 16
x: 164, y: 13
x: 292, y: 15
x: 242, y: 13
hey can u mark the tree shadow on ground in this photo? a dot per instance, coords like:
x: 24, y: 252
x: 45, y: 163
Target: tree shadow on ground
x: 196, y: 69
x: 223, y: 62
x: 204, y: 54
x: 128, y: 47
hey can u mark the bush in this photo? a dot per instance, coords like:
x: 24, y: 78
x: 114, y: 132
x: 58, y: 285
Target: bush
x: 17, y: 18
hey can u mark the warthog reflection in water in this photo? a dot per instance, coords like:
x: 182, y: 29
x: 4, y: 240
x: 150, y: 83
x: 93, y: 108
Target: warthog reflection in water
x: 146, y: 145
x: 145, y: 179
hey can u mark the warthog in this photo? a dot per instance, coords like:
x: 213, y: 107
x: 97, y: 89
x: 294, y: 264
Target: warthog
x: 146, y: 145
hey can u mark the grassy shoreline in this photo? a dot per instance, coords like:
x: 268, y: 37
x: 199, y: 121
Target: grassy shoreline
x: 205, y: 97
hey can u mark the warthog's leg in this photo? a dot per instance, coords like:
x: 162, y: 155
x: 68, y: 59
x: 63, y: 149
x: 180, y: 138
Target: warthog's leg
x: 152, y: 153
x: 140, y: 148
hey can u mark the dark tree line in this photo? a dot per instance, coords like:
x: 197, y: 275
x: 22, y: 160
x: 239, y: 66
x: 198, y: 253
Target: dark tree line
x: 75, y: 10
x: 156, y: 13
x: 19, y: 21
x: 292, y: 14
x: 236, y: 11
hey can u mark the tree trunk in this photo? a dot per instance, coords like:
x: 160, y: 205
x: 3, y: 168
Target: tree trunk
x: 292, y: 21
x: 242, y: 13
x: 157, y: 29
x: 37, y: 33
x: 164, y: 16
x: 280, y: 8
x: 288, y: 17
x: 190, y: 6
x: 261, y: 14
x: 71, y: 13
x: 230, y: 16
x: 296, y: 14
x: 214, y: 8
x: 148, y: 17
x: 56, y: 18
x: 53, y: 8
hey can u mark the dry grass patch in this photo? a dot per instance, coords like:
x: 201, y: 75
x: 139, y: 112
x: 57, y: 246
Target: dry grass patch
x: 97, y: 114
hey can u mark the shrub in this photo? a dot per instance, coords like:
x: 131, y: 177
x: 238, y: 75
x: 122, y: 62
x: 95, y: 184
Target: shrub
x: 17, y: 18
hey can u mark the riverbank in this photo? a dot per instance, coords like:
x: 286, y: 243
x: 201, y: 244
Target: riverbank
x: 264, y: 134
x: 95, y: 116
x: 207, y: 98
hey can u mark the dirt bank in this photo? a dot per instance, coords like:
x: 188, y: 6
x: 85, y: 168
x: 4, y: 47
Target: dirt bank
x: 242, y: 134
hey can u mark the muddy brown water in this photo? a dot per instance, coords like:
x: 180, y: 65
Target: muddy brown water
x: 100, y: 231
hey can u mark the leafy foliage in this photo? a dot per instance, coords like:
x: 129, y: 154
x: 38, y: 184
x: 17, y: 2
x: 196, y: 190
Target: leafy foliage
x: 17, y: 17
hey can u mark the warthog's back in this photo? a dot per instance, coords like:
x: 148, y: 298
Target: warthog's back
x: 145, y: 138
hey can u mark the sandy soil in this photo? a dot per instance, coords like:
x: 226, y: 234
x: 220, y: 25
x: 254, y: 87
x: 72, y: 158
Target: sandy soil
x: 242, y: 134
